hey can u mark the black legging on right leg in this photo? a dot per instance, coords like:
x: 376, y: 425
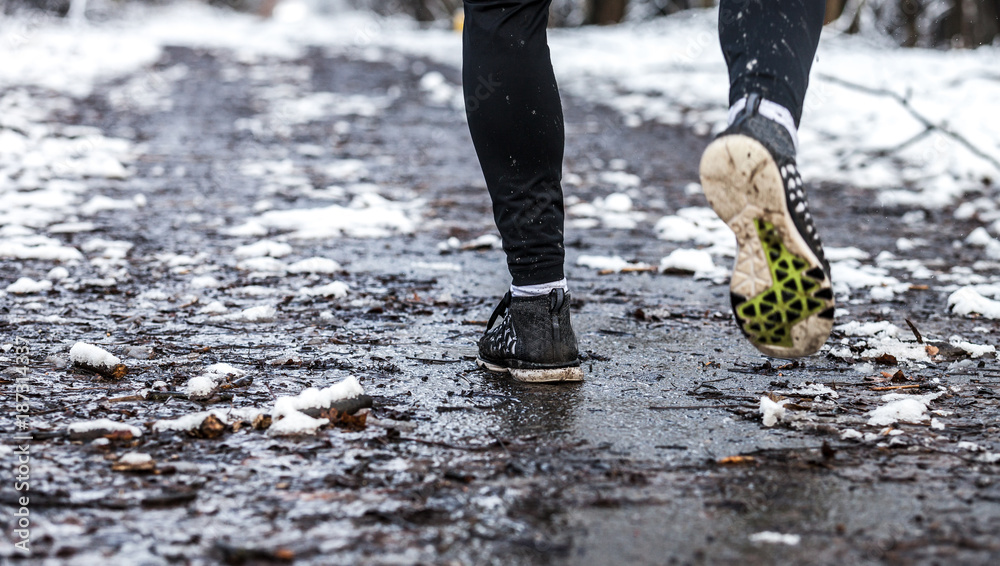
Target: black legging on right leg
x: 769, y: 47
x: 516, y: 120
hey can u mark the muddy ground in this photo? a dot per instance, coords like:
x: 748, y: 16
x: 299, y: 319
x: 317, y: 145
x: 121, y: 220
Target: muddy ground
x: 457, y: 466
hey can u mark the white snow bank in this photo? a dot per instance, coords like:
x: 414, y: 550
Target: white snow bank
x: 102, y: 424
x: 974, y: 299
x: 815, y: 390
x: 27, y: 285
x: 902, y: 408
x: 841, y: 254
x: 296, y: 423
x: 974, y: 350
x: 850, y: 274
x: 882, y: 328
x: 772, y: 411
x: 771, y: 537
x: 267, y: 265
x: 699, y: 225
x: 368, y: 216
x: 203, y: 385
x: 608, y: 263
x: 878, y: 339
x: 263, y: 248
x: 135, y: 458
x: 313, y: 398
x: 92, y: 356
x: 698, y: 262
x: 613, y: 211
x: 261, y: 313
x: 666, y: 70
x: 194, y: 420
x: 315, y: 265
x: 337, y: 290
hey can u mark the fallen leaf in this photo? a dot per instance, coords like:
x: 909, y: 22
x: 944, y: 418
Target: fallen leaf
x: 211, y: 427
x: 885, y: 360
x: 736, y: 460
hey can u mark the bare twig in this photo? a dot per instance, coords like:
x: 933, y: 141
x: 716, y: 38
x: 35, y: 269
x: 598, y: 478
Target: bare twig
x: 891, y: 387
x: 926, y: 123
x: 913, y: 327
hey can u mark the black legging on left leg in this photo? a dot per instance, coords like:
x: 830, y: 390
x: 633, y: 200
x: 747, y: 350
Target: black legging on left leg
x: 516, y: 121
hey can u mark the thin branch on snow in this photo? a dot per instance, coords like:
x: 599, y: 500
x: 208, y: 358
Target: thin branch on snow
x: 905, y: 103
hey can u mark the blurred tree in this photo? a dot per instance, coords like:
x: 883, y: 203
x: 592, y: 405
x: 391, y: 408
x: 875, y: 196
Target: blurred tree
x: 604, y: 12
x: 920, y: 23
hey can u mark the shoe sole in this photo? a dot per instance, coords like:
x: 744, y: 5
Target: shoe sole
x: 548, y: 375
x: 776, y: 275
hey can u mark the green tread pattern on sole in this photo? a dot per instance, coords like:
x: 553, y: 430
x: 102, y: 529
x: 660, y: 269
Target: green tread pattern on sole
x: 769, y: 317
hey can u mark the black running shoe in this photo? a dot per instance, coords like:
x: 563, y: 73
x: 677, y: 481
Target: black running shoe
x: 533, y: 341
x: 781, y: 290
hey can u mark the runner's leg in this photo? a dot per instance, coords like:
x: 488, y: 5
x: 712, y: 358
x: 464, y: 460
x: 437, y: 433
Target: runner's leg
x: 515, y: 117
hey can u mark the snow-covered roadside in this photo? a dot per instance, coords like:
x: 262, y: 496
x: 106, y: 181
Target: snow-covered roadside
x: 667, y: 70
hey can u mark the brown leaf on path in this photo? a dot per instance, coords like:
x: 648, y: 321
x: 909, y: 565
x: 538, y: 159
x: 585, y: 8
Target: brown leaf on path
x: 114, y: 373
x: 885, y: 360
x: 138, y: 467
x: 736, y: 460
x: 261, y: 422
x: 932, y: 350
x: 211, y: 427
x: 345, y: 420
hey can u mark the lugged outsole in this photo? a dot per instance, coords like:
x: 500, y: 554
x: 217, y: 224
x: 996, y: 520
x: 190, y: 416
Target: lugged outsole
x: 775, y: 270
x: 551, y: 375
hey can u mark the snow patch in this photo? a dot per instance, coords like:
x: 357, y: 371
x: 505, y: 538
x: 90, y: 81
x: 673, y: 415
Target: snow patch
x: 92, y: 356
x: 772, y: 411
x: 771, y: 537
x: 102, y: 424
x: 27, y: 285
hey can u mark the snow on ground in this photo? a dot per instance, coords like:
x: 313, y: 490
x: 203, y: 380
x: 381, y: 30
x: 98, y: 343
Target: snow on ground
x: 92, y: 356
x: 976, y: 299
x: 287, y: 412
x: 609, y: 263
x: 668, y: 70
x: 902, y: 408
x: 872, y: 340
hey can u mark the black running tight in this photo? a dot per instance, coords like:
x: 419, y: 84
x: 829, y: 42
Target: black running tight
x: 515, y: 115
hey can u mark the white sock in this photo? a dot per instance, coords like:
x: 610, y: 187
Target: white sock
x: 773, y: 111
x: 539, y: 290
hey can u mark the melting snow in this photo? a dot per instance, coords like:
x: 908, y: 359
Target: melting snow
x: 93, y: 356
x: 772, y: 411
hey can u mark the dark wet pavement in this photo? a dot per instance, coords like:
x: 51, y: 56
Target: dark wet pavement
x: 460, y: 466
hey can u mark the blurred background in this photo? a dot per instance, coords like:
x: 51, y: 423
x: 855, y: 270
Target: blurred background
x: 941, y: 24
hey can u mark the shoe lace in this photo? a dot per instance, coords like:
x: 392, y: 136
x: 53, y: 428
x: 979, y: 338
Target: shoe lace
x: 500, y: 310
